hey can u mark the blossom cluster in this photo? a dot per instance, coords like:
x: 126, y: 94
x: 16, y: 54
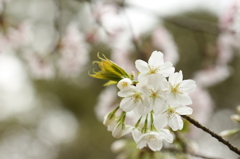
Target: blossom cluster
x: 158, y: 97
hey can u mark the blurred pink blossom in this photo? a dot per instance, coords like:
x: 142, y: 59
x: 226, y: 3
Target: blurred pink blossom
x: 122, y: 57
x: 16, y: 38
x: 74, y: 52
x: 225, y: 50
x: 202, y: 106
x: 106, y: 102
x: 211, y: 76
x: 230, y: 20
x: 39, y: 67
x: 163, y: 40
x: 4, y: 45
x: 21, y: 35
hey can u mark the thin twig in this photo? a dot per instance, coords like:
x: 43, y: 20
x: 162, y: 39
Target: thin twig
x: 219, y: 138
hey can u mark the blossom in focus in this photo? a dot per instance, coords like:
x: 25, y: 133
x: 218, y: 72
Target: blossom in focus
x: 121, y: 129
x: 153, y: 96
x: 154, y: 88
x: 152, y: 139
x: 172, y: 116
x: 178, y: 89
x: 155, y: 65
x: 134, y: 99
x: 124, y: 83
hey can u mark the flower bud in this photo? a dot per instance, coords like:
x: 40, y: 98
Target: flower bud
x: 228, y: 133
x: 118, y: 145
x: 121, y: 129
x: 107, y: 119
x: 124, y: 83
x: 235, y: 117
x: 238, y: 109
x: 109, y: 71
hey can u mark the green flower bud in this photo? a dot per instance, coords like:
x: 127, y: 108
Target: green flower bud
x: 109, y: 71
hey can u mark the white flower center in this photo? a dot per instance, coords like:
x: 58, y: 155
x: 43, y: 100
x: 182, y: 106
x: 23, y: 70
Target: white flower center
x: 152, y: 138
x: 176, y: 89
x: 124, y: 84
x: 154, y: 94
x: 153, y: 69
x: 137, y: 97
x: 170, y: 112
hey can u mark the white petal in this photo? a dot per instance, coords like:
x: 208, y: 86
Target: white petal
x: 141, y: 144
x: 143, y: 77
x: 111, y: 126
x: 127, y: 92
x: 124, y: 83
x: 171, y: 99
x: 167, y: 69
x: 188, y: 86
x: 127, y: 104
x: 156, y: 59
x: 176, y: 78
x: 160, y: 121
x: 155, y: 81
x: 127, y: 129
x: 183, y: 110
x: 159, y: 105
x: 166, y: 135
x: 155, y: 145
x: 142, y: 66
x: 175, y: 122
x: 183, y: 99
x: 142, y: 109
x: 107, y: 121
x: 136, y: 133
x: 117, y: 131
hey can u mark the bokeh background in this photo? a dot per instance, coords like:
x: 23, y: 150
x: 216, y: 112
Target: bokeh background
x: 50, y: 108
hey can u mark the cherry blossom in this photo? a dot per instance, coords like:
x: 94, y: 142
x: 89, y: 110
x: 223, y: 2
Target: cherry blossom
x: 134, y: 98
x: 152, y: 139
x: 171, y: 116
x: 155, y: 65
x: 178, y: 89
x: 124, y: 83
x: 154, y: 88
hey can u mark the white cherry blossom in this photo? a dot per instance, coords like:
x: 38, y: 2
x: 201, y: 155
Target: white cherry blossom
x: 155, y: 65
x: 155, y: 91
x: 172, y: 116
x: 152, y: 139
x: 134, y: 99
x: 121, y: 129
x: 178, y: 89
x: 124, y: 83
x: 109, y: 120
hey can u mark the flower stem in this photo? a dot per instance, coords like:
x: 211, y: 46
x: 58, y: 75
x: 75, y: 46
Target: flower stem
x: 139, y: 120
x: 219, y: 138
x: 145, y: 127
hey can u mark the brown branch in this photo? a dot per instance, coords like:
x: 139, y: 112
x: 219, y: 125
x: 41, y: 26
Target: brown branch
x: 219, y: 138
